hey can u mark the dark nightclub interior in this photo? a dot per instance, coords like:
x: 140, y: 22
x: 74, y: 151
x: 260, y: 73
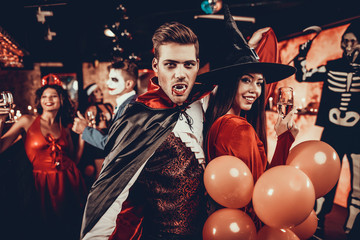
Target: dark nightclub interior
x: 76, y: 41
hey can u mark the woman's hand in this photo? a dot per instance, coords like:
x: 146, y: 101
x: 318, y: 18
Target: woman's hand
x: 287, y: 123
x: 257, y: 36
x: 4, y: 114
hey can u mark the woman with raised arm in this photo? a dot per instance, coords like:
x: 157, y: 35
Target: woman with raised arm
x: 235, y: 122
x: 60, y: 188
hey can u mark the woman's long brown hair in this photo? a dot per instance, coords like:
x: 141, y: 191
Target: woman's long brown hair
x: 221, y: 101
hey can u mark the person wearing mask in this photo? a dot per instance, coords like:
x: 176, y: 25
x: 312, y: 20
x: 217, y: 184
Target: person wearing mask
x: 121, y: 83
x: 338, y: 114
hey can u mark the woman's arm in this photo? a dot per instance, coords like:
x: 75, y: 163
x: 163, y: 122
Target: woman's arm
x: 18, y: 128
x: 236, y: 137
x: 80, y: 149
x: 4, y: 113
x: 286, y: 130
x: 72, y: 153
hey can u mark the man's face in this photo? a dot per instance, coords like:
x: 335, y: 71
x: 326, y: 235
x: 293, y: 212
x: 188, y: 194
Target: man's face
x: 116, y: 82
x: 348, y: 43
x: 177, y: 68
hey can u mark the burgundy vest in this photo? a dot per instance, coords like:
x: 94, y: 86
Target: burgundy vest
x: 171, y: 186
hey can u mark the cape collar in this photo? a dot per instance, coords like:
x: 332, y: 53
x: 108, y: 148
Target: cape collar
x: 156, y: 98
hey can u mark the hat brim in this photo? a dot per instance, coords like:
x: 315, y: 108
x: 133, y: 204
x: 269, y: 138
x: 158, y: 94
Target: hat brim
x: 273, y: 72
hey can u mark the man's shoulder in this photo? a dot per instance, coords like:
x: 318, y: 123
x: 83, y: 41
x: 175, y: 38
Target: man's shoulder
x: 131, y: 99
x: 139, y: 108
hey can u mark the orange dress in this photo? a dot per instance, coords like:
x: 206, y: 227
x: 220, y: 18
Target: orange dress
x: 58, y: 182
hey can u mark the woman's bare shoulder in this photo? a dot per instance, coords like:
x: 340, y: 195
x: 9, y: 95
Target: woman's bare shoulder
x: 26, y: 120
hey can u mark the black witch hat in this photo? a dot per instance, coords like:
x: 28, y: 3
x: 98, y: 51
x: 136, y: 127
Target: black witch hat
x: 241, y: 58
x: 354, y: 28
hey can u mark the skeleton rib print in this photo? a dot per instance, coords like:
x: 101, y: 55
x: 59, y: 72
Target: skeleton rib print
x: 345, y: 83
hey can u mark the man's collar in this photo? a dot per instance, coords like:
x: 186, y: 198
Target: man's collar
x: 120, y: 100
x: 156, y: 98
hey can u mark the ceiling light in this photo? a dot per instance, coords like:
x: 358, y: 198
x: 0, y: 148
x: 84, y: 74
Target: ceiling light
x: 49, y: 35
x: 211, y: 6
x: 11, y: 55
x: 126, y: 34
x: 109, y: 33
x: 40, y: 15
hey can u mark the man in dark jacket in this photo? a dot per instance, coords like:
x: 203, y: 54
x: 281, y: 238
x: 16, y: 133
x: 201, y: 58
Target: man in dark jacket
x: 121, y: 83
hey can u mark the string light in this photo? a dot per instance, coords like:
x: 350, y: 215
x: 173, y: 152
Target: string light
x: 120, y: 35
x: 10, y: 54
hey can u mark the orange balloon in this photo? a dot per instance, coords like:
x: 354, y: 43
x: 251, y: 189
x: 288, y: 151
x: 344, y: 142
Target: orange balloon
x: 283, y: 197
x: 307, y: 228
x: 269, y: 233
x: 229, y: 182
x: 229, y: 224
x: 319, y: 161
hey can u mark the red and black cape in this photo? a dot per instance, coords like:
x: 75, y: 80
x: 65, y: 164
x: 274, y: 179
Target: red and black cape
x: 132, y: 140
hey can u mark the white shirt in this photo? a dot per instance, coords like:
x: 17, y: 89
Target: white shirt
x: 192, y: 139
x: 120, y: 100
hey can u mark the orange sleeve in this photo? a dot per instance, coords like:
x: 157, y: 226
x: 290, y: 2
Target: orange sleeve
x: 283, y: 145
x: 236, y: 137
x: 268, y: 51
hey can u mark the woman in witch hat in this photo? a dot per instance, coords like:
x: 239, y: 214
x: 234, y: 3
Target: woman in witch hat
x: 237, y: 108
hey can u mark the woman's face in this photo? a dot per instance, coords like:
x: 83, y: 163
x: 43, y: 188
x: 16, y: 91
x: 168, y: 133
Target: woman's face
x: 50, y: 100
x: 249, y: 89
x: 98, y: 95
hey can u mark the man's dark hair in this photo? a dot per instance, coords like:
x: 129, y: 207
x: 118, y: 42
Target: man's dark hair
x: 129, y: 68
x: 174, y: 32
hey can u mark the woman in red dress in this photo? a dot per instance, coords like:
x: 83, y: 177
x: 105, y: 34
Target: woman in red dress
x: 48, y: 145
x: 235, y: 118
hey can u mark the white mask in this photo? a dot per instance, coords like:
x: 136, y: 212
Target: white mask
x: 116, y: 82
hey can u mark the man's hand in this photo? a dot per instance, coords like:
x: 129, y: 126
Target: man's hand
x: 80, y: 123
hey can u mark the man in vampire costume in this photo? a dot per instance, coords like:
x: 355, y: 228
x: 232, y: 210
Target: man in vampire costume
x: 151, y: 182
x: 339, y: 113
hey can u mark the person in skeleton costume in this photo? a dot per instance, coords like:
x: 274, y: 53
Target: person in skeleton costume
x: 339, y: 112
x: 150, y: 185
